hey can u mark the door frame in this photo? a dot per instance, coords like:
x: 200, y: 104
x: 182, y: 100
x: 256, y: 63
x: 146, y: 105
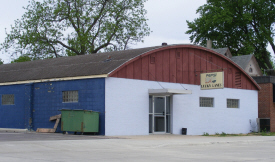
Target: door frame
x: 152, y: 131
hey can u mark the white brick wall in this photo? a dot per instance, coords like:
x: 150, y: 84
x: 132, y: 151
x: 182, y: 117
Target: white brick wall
x: 127, y: 109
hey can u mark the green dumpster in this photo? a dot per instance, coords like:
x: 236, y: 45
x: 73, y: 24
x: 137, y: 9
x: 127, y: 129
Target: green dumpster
x: 79, y: 120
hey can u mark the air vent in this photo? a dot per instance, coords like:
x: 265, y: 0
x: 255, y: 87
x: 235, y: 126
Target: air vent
x: 238, y: 80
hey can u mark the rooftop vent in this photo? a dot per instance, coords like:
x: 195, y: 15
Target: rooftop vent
x: 164, y: 44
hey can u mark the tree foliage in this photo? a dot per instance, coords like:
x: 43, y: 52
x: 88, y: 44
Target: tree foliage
x: 244, y: 26
x: 22, y: 58
x: 55, y: 28
x: 1, y: 62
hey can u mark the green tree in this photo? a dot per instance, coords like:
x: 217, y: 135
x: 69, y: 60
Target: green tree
x: 1, y: 62
x: 244, y: 26
x: 22, y: 58
x: 56, y: 28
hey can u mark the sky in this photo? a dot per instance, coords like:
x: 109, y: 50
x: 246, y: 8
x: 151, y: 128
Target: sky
x: 166, y: 19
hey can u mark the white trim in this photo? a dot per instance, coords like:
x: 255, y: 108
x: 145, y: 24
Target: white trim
x: 55, y: 79
x: 168, y: 91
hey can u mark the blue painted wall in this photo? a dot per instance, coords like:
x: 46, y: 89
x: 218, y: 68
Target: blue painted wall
x: 13, y: 116
x: 39, y: 101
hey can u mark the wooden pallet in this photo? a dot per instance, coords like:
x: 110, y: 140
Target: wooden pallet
x: 50, y: 130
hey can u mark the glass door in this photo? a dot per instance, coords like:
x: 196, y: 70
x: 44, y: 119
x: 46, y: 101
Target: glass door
x: 159, y: 114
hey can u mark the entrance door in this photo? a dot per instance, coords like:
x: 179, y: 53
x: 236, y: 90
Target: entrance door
x: 159, y: 114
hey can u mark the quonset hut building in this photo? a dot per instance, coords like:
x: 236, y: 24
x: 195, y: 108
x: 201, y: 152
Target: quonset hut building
x: 154, y: 90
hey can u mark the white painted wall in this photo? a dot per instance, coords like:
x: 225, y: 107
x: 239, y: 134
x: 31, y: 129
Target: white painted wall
x: 127, y: 109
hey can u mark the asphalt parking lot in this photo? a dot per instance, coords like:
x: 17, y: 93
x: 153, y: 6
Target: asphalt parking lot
x: 4, y: 137
x: 33, y: 147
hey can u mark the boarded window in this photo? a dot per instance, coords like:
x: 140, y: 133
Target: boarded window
x: 8, y: 99
x: 238, y: 80
x: 232, y: 103
x: 70, y: 96
x: 206, y: 102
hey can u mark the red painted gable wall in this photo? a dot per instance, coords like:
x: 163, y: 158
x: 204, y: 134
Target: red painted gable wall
x: 183, y: 65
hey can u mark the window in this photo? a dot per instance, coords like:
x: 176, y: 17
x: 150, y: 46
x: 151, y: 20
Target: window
x: 70, y: 96
x: 206, y: 102
x: 8, y: 99
x: 250, y: 70
x: 232, y: 103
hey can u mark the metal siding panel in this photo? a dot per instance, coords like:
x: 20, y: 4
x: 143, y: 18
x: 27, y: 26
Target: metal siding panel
x: 197, y: 66
x: 122, y: 73
x: 173, y: 75
x: 230, y: 76
x: 209, y: 61
x: 185, y: 65
x: 203, y: 61
x: 114, y: 74
x: 248, y: 85
x: 224, y: 65
x: 159, y: 66
x: 130, y: 71
x: 145, y: 68
x: 214, y: 62
x: 179, y: 65
x: 166, y: 65
x: 138, y: 69
x: 191, y: 63
x: 152, y: 68
x: 243, y: 80
x: 219, y: 63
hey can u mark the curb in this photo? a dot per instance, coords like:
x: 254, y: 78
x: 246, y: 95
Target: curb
x: 10, y: 130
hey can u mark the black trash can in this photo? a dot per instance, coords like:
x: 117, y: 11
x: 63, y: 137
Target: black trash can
x: 184, y: 131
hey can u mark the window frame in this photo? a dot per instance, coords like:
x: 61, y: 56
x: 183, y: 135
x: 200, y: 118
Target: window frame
x: 6, y: 102
x: 69, y: 98
x: 203, y: 105
x: 232, y: 99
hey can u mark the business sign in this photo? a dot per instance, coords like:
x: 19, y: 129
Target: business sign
x: 212, y: 80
